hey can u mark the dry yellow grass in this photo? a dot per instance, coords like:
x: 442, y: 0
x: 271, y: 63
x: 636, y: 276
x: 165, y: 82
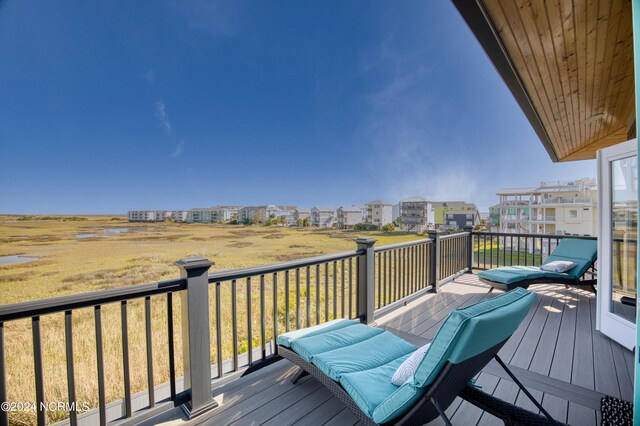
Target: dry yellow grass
x: 146, y: 253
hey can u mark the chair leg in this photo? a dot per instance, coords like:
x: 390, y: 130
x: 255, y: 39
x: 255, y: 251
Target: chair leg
x: 440, y: 411
x: 299, y: 375
x: 526, y: 392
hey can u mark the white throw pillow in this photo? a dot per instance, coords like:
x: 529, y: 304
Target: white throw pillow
x: 409, y: 366
x: 558, y: 266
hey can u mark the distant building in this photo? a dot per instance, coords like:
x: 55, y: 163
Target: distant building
x: 440, y: 209
x: 224, y: 213
x: 323, y: 217
x: 416, y: 214
x: 141, y: 216
x: 156, y: 215
x: 261, y: 214
x: 459, y: 219
x: 348, y: 216
x: 555, y: 207
x: 289, y: 213
x: 256, y: 214
x: 179, y: 215
x: 302, y: 214
x: 395, y: 212
x: 201, y: 215
x: 379, y: 213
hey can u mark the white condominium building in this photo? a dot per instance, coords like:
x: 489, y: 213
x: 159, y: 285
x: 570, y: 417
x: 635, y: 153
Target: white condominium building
x: 348, y: 216
x: 379, y: 213
x: 416, y: 214
x: 555, y: 207
x: 323, y: 217
x: 156, y: 215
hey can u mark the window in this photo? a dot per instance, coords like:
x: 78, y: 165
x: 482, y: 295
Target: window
x: 573, y: 214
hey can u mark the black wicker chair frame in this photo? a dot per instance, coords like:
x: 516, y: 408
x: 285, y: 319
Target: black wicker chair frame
x: 453, y: 381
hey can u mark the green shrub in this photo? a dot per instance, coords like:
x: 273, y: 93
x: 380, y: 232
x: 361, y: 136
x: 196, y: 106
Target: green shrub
x: 389, y: 227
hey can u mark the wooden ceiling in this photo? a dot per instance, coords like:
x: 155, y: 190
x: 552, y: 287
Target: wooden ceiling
x: 568, y: 63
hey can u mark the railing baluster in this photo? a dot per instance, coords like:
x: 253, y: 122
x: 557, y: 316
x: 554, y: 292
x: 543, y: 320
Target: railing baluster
x: 350, y: 287
x: 504, y: 250
x: 384, y: 278
x: 286, y: 302
x: 263, y: 324
x: 71, y: 383
x: 326, y: 291
x: 234, y: 325
x: 407, y: 271
x: 335, y: 289
x: 342, y: 284
x: 415, y: 261
x: 308, y: 297
x: 102, y: 404
x: 484, y: 251
x: 318, y: 294
x: 37, y: 363
x: 378, y: 279
x: 218, y: 331
x: 125, y: 359
x: 249, y: 326
x: 172, y: 360
x: 396, y: 274
x: 511, y: 250
x: 526, y: 251
x: 147, y: 314
x: 274, y: 285
x: 4, y: 414
x: 358, y: 307
x: 491, y: 253
x: 298, y: 299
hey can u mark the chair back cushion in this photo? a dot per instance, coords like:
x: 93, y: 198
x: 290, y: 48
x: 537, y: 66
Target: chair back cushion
x: 465, y: 333
x: 583, y: 252
x: 471, y: 330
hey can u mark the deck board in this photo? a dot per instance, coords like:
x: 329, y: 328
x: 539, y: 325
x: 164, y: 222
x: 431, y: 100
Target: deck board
x: 561, y: 322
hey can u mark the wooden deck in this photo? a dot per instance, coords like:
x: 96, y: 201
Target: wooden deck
x: 555, y: 352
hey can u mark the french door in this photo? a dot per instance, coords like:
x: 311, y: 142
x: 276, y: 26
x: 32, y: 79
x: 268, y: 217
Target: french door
x: 617, y: 241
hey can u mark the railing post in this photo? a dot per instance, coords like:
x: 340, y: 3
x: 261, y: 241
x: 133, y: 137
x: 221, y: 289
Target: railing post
x: 435, y: 259
x: 366, y: 280
x: 194, y: 303
x: 469, y: 229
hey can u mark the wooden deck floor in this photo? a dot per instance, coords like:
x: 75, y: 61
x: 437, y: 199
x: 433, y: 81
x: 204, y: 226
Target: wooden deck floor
x: 555, y: 352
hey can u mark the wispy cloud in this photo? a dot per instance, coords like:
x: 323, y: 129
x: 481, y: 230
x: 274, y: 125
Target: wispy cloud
x: 215, y: 17
x: 161, y: 115
x: 150, y: 76
x: 178, y: 151
x: 410, y: 152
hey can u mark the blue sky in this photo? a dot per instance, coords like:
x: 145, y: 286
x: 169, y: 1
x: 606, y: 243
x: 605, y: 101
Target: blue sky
x: 111, y: 106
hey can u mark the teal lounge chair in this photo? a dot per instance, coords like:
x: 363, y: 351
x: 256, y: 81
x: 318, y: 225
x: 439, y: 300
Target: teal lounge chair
x: 357, y: 362
x: 581, y: 251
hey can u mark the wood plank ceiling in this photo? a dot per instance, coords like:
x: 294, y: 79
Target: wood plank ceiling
x: 574, y: 60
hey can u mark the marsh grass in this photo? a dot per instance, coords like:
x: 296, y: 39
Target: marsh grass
x: 146, y: 253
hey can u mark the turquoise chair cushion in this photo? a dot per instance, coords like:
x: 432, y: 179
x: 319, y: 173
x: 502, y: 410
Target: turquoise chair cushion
x: 371, y: 353
x: 398, y: 403
x: 583, y: 252
x: 363, y: 359
x: 468, y: 331
x: 512, y: 274
x: 370, y: 388
x: 309, y: 346
x: 287, y: 338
